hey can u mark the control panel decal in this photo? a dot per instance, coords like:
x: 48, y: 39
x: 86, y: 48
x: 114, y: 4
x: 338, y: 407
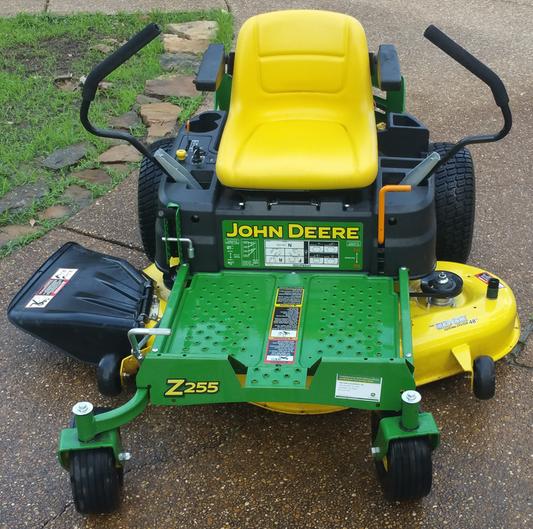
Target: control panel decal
x: 284, y: 244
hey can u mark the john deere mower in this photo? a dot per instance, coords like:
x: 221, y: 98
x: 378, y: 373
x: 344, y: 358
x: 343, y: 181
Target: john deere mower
x: 308, y: 246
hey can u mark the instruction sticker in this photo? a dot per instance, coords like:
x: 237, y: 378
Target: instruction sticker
x: 284, y: 326
x: 281, y: 351
x: 51, y: 288
x: 358, y: 388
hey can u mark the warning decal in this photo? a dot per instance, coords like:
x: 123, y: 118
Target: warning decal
x: 50, y: 289
x: 285, y: 322
x: 281, y: 351
x: 284, y: 326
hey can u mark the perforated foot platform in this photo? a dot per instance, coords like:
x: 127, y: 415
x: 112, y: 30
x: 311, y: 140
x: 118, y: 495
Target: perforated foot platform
x: 275, y: 327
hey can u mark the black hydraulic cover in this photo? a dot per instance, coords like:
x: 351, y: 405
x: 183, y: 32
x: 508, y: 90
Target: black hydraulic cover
x: 83, y: 302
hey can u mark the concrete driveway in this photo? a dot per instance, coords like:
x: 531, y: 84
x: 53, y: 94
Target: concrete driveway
x: 242, y: 467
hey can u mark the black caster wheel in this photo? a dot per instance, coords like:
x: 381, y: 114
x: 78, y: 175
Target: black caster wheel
x: 484, y: 377
x: 406, y: 472
x: 95, y: 480
x: 108, y: 375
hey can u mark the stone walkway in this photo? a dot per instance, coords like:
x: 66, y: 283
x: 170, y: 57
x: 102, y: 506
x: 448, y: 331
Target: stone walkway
x: 183, y: 45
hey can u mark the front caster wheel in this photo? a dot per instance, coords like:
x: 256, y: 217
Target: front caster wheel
x: 95, y: 480
x: 406, y: 472
x: 484, y: 377
x: 108, y: 375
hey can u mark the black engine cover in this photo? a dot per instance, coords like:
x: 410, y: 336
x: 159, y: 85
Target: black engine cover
x: 83, y: 302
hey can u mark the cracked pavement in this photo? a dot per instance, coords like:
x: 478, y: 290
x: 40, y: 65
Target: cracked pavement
x: 237, y: 466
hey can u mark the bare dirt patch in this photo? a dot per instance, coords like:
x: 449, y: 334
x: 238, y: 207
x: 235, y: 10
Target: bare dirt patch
x: 57, y: 52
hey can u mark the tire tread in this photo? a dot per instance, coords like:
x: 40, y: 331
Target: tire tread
x: 409, y: 472
x: 150, y: 176
x: 454, y: 204
x: 95, y: 481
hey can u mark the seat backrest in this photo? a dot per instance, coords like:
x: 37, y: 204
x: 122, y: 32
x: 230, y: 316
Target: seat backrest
x: 302, y: 64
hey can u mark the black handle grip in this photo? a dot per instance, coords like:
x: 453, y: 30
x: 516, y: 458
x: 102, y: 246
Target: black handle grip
x: 120, y: 56
x: 466, y: 59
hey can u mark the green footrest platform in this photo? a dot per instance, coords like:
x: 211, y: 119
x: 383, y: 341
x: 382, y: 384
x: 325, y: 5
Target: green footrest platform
x: 276, y: 326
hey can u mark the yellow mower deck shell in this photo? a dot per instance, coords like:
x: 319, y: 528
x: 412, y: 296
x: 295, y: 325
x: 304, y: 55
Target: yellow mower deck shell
x: 443, y: 337
x: 446, y: 340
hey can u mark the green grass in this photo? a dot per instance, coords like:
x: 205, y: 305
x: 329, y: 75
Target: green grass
x: 37, y: 118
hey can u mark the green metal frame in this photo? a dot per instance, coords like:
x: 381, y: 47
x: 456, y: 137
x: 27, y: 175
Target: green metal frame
x: 100, y: 431
x: 240, y: 373
x: 392, y: 428
x: 394, y: 100
x: 182, y: 356
x: 223, y: 93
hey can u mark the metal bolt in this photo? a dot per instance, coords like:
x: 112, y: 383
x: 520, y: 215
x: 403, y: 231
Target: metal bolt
x: 82, y: 408
x: 410, y: 409
x: 411, y: 396
x: 443, y: 278
x: 124, y: 456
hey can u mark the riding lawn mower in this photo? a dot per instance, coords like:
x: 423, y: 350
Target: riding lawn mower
x: 308, y: 246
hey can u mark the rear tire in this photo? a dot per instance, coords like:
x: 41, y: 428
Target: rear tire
x: 95, y: 480
x: 150, y: 176
x: 407, y: 472
x: 454, y: 204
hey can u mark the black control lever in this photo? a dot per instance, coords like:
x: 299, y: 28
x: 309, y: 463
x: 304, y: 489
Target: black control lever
x: 483, y: 72
x: 471, y: 63
x: 101, y: 71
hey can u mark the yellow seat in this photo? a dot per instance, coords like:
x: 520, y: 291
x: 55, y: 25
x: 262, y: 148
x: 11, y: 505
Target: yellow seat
x: 302, y: 114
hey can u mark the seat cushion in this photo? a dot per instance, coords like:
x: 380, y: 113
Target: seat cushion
x: 301, y: 114
x: 297, y: 154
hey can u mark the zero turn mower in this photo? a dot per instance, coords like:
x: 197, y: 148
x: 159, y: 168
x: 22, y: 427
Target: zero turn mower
x: 309, y: 247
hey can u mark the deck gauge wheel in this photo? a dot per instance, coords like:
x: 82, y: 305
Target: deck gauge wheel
x: 108, y: 375
x: 484, y: 378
